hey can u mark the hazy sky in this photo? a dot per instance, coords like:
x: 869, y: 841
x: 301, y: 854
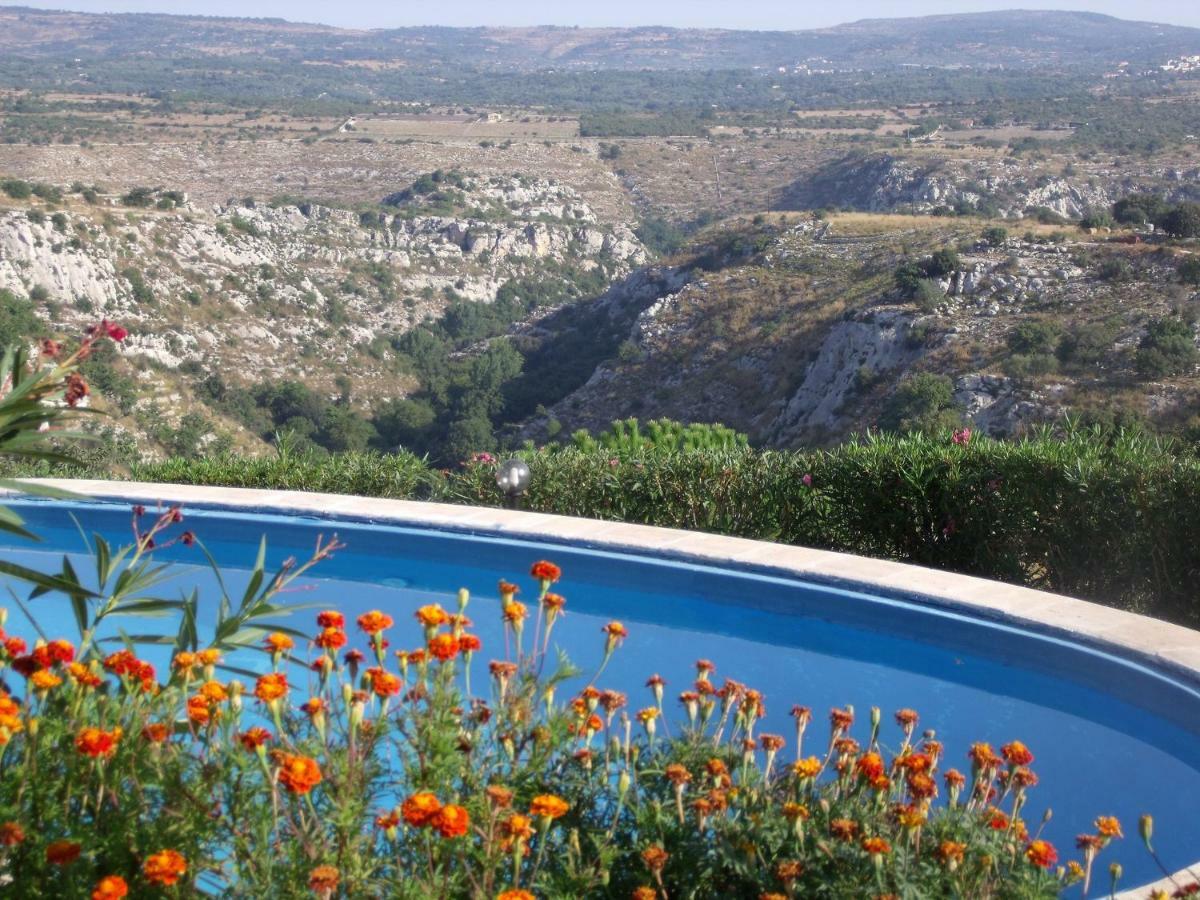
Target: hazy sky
x: 780, y: 14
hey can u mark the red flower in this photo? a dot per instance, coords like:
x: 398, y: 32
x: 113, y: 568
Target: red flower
x: 443, y: 647
x: 114, y: 331
x: 77, y: 389
x: 331, y: 619
x: 1017, y: 754
x: 374, y: 622
x: 545, y: 571
x: 1042, y: 854
x: 451, y: 821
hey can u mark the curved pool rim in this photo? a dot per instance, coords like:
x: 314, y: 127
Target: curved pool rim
x: 1169, y: 650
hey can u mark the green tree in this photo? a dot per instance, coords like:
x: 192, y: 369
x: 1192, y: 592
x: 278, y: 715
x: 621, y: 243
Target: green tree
x: 1182, y: 221
x: 922, y: 402
x: 1169, y: 348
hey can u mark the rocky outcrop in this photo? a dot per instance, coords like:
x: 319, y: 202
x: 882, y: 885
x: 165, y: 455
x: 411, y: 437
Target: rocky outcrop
x: 875, y: 342
x: 889, y: 182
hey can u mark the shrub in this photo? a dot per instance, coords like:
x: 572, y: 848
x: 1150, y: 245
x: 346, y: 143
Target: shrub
x: 1034, y: 337
x: 922, y: 402
x: 996, y: 236
x: 1169, y: 348
x: 1189, y: 271
x: 1114, y: 268
x: 1138, y: 209
x: 1088, y: 343
x: 1182, y: 221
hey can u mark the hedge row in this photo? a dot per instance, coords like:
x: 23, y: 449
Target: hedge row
x: 1115, y: 521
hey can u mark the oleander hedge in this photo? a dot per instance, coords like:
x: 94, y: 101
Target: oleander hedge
x: 1113, y: 519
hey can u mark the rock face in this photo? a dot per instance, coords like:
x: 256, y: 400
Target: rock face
x: 876, y: 342
x: 888, y: 182
x: 219, y: 285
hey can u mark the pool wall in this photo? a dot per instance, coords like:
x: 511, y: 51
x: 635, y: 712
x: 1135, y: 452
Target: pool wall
x: 1169, y: 650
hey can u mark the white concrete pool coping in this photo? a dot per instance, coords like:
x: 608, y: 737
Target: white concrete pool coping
x: 1171, y: 648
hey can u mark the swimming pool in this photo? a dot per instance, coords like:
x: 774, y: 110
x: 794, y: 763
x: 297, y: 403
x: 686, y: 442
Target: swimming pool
x: 1115, y: 730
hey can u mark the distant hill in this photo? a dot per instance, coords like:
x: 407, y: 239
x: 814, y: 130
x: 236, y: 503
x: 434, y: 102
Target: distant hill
x: 1010, y: 39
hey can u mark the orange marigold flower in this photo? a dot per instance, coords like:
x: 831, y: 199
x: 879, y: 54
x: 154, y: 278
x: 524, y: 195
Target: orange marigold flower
x: 876, y: 846
x: 432, y: 615
x: 278, y: 642
x: 907, y: 718
x: 616, y: 630
x: 156, y: 732
x: 272, y: 686
x: 184, y: 661
x: 983, y: 756
x: 209, y: 657
x: 1092, y: 843
x: 870, y: 766
x: 253, y: 738
x: 843, y: 829
x: 954, y: 778
x: 469, y: 643
x: 501, y: 797
x: 517, y: 827
x: 1042, y: 854
x: 443, y: 647
x: 545, y: 571
x: 649, y: 714
x: 313, y: 706
x: 515, y: 612
x: 299, y: 774
x: 515, y: 894
x: 450, y: 821
x: 111, y: 887
x: 198, y: 710
x: 420, y: 808
x: 11, y: 834
x: 331, y: 638
x: 323, y: 879
x: 772, y: 895
x: 84, y: 676
x: 789, y: 870
x: 841, y: 719
x: 950, y: 852
x: 44, y: 680
x: 383, y: 683
x: 548, y: 806
x: 921, y: 786
x: 644, y: 893
x: 794, y: 811
x: 97, y: 743
x: 1109, y: 827
x: 214, y: 692
x: 807, y: 768
x: 771, y: 743
x: 554, y: 602
x: 331, y: 618
x: 655, y: 858
x: 507, y: 588
x: 374, y: 621
x: 677, y: 774
x: 1017, y: 754
x: 164, y: 868
x: 62, y: 853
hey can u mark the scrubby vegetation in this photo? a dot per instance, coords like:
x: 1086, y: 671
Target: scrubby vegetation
x: 1105, y: 517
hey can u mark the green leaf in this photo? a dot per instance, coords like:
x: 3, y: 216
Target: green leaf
x: 45, y: 583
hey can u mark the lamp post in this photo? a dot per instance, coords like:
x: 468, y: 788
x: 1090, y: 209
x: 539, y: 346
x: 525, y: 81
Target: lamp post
x: 513, y: 479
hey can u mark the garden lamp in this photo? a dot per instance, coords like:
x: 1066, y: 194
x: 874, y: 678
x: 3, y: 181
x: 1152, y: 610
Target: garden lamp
x: 513, y: 479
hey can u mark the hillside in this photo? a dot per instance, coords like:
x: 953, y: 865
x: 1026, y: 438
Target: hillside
x: 1010, y: 39
x: 794, y: 331
x: 251, y: 293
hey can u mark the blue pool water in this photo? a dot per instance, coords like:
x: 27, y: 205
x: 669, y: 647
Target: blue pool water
x: 1111, y: 736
